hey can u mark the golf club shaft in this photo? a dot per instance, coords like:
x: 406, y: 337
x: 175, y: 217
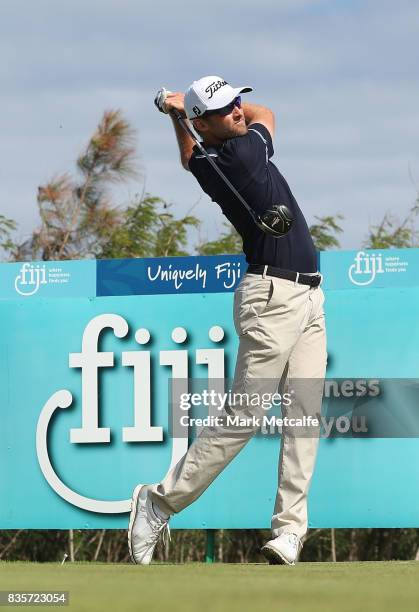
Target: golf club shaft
x: 213, y: 164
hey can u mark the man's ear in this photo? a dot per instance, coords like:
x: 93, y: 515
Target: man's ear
x: 200, y: 125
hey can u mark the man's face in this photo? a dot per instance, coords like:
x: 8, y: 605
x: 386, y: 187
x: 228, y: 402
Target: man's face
x: 220, y: 128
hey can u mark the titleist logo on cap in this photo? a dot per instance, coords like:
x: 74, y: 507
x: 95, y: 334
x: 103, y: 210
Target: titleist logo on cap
x: 213, y: 87
x: 209, y: 93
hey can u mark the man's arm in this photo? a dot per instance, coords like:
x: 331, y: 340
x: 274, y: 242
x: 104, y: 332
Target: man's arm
x: 254, y: 113
x: 185, y: 142
x: 175, y: 101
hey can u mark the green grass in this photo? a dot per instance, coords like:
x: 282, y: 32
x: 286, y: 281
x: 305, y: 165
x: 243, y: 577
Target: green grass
x: 312, y: 587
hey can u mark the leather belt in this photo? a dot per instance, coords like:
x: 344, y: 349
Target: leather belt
x: 296, y: 277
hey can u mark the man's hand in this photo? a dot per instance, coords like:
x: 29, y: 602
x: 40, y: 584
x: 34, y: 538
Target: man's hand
x: 160, y: 100
x: 166, y: 101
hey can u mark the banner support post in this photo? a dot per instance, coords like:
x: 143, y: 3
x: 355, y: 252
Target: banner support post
x: 210, y: 546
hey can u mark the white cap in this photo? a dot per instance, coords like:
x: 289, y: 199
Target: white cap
x: 210, y: 93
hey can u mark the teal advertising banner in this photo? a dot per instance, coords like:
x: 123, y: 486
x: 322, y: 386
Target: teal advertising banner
x: 84, y: 391
x: 372, y: 301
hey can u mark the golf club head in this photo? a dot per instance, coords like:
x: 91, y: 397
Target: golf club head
x: 277, y: 220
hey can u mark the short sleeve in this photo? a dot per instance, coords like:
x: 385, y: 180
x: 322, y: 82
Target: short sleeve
x: 264, y: 134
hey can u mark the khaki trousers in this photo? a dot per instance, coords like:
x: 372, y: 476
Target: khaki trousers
x: 281, y: 330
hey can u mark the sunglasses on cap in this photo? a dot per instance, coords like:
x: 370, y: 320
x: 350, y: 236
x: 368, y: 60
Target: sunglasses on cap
x: 225, y: 110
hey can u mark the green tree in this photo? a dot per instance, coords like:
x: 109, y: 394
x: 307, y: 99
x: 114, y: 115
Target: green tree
x: 172, y: 237
x: 7, y: 226
x: 76, y: 214
x: 148, y: 229
x: 393, y: 233
x: 229, y: 242
x: 325, y: 231
x: 79, y: 220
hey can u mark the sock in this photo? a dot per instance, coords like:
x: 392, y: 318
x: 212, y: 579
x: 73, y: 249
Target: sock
x: 159, y: 513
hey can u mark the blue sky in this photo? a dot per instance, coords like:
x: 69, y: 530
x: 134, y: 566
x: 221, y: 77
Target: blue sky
x: 341, y: 77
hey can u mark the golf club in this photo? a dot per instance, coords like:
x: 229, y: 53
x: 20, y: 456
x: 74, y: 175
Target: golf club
x: 276, y: 220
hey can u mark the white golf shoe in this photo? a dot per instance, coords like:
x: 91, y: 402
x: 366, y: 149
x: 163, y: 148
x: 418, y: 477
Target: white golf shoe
x: 145, y: 527
x: 283, y: 550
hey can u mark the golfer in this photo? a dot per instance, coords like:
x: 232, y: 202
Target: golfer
x: 278, y: 315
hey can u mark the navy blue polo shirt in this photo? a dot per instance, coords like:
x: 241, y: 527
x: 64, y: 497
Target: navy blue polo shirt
x: 245, y: 160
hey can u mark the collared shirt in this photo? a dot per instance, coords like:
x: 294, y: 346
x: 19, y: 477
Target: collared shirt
x: 245, y: 160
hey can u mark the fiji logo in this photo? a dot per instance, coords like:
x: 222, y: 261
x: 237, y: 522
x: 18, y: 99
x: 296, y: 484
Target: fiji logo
x: 90, y: 360
x: 365, y: 268
x: 30, y: 278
